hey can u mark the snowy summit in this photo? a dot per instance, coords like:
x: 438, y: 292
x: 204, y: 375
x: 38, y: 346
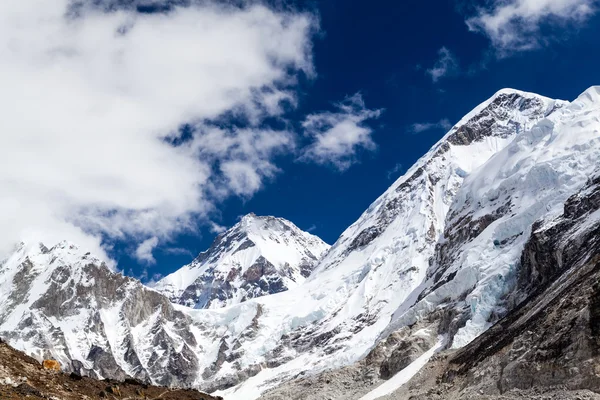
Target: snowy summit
x: 256, y: 257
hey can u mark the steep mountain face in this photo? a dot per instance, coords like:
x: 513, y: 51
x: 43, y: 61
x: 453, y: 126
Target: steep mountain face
x: 548, y: 346
x: 486, y: 261
x: 61, y: 304
x: 375, y: 273
x: 447, y: 251
x: 257, y: 257
x: 553, y: 337
x: 478, y: 257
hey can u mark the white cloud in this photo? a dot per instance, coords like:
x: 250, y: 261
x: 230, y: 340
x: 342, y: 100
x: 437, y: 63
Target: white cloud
x: 144, y: 251
x: 446, y: 64
x: 338, y: 136
x: 391, y: 173
x: 216, y: 228
x: 178, y: 251
x: 443, y: 124
x: 88, y: 102
x: 515, y: 25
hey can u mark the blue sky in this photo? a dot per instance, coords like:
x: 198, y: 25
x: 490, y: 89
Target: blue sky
x: 383, y: 49
x: 138, y: 129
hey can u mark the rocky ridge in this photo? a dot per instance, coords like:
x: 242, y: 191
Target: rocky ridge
x: 58, y: 303
x: 257, y: 257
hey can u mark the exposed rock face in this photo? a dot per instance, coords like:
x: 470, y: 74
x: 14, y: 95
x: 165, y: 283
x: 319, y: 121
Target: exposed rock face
x: 475, y: 274
x: 60, y: 304
x: 257, y: 257
x: 552, y: 338
x: 549, y: 251
x: 497, y: 117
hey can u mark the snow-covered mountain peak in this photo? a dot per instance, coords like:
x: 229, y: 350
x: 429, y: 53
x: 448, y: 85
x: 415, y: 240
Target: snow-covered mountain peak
x: 511, y: 100
x: 64, y: 304
x: 64, y: 253
x: 249, y: 218
x: 259, y: 255
x: 253, y: 224
x: 589, y: 98
x: 521, y: 93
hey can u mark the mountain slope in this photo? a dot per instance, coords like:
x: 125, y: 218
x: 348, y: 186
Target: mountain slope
x: 437, y: 255
x: 477, y: 262
x: 553, y: 337
x: 380, y: 263
x: 491, y: 218
x: 256, y: 257
x: 549, y: 345
x: 62, y: 304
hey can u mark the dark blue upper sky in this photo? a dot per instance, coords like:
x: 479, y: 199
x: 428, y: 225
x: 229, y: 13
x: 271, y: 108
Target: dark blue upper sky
x: 382, y: 49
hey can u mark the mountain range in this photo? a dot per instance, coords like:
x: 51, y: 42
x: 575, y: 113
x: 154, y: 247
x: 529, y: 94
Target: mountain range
x: 474, y: 274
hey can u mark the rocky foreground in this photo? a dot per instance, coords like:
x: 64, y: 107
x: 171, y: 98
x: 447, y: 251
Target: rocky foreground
x: 23, y: 377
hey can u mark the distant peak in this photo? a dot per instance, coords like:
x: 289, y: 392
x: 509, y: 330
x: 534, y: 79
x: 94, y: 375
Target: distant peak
x: 64, y: 244
x: 250, y: 217
x: 521, y: 93
x: 507, y: 91
x: 253, y: 224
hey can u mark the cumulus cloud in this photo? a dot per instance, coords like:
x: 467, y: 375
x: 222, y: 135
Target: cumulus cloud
x: 92, y: 103
x: 443, y: 124
x: 338, y: 136
x: 446, y: 65
x: 515, y: 25
x: 144, y: 251
x: 217, y: 228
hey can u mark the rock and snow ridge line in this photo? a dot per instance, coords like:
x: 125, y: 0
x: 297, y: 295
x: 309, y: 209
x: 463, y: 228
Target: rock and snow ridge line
x: 256, y: 257
x: 477, y: 258
x: 412, y: 257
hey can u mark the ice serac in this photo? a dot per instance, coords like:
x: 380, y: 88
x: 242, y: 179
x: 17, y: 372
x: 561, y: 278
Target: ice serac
x: 257, y: 257
x: 549, y: 344
x: 478, y: 257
